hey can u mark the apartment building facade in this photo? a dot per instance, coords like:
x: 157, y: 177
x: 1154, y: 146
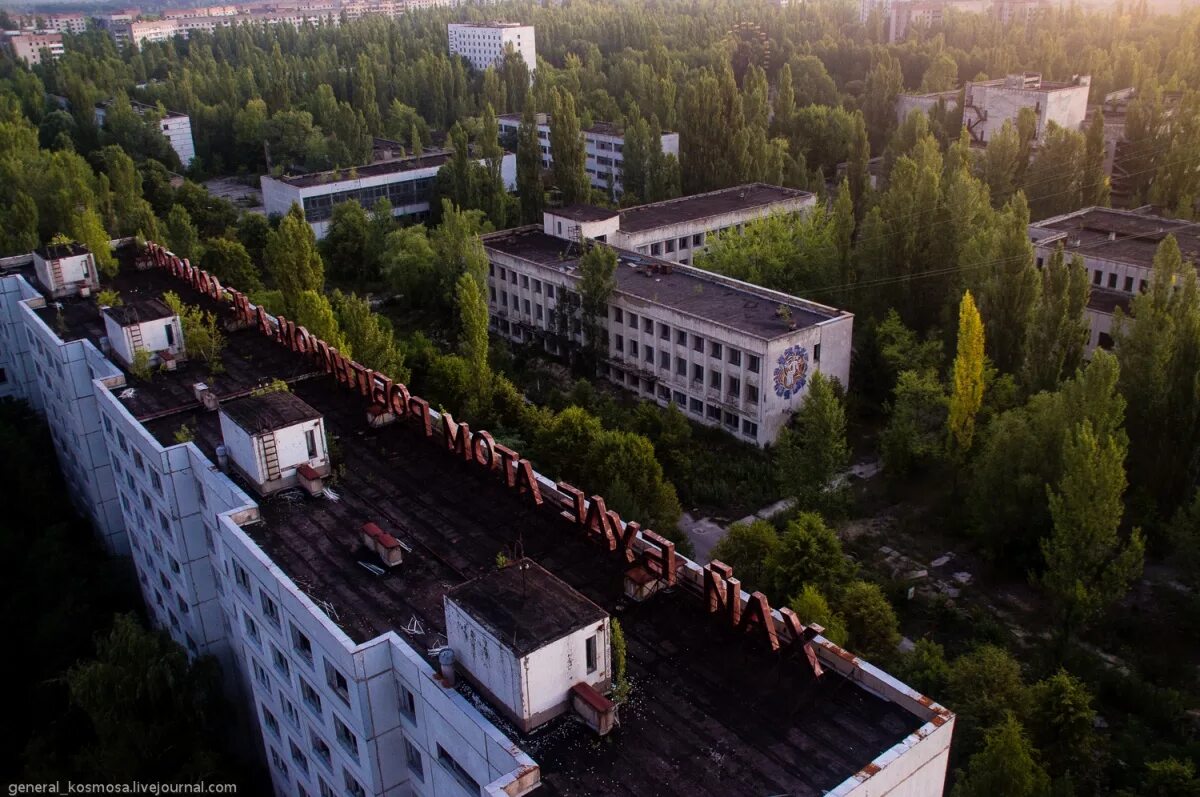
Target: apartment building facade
x: 604, y: 148
x: 727, y: 353
x: 988, y: 104
x: 33, y: 48
x: 331, y: 660
x: 484, y: 44
x: 407, y: 183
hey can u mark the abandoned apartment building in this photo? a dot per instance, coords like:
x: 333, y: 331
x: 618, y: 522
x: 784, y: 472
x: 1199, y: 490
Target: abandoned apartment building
x: 402, y: 605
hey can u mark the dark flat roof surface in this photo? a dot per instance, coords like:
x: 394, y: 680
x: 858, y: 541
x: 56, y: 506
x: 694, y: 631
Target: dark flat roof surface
x: 59, y: 251
x: 709, y: 713
x: 397, y: 166
x: 525, y: 606
x: 682, y: 288
x: 269, y: 412
x: 1126, y: 236
x: 580, y: 212
x: 702, y: 206
x: 138, y: 311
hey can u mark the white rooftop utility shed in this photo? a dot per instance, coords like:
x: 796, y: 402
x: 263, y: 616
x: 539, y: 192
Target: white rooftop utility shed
x: 270, y: 437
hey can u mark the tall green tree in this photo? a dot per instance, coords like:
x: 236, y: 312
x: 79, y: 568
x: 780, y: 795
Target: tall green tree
x: 874, y: 630
x: 570, y: 157
x: 1094, y: 183
x: 345, y: 245
x: 746, y: 548
x: 1059, y: 331
x: 811, y: 453
x: 1009, y: 288
x: 1159, y: 352
x: 229, y: 262
x: 809, y: 552
x: 967, y: 395
x: 1000, y: 164
x: 473, y: 338
x: 597, y: 280
x: 1054, y: 181
x: 915, y: 435
x: 529, y: 168
x: 1062, y: 725
x: 292, y: 259
x: 181, y: 233
x: 1088, y: 565
x: 1005, y: 767
x: 369, y: 335
x: 884, y: 83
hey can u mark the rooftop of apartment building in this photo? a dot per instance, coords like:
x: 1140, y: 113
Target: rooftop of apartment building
x: 596, y: 128
x: 142, y: 108
x: 1124, y: 235
x: 702, y: 206
x: 492, y: 24
x: 427, y: 160
x: 688, y: 290
x: 1032, y: 81
x: 708, y: 707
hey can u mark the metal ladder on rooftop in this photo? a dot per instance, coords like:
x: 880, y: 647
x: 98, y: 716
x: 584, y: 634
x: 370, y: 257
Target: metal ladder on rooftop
x: 56, y: 275
x: 271, y: 456
x: 135, y: 338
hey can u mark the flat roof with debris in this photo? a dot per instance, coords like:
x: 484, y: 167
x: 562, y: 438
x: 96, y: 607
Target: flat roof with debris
x: 140, y: 311
x: 708, y: 712
x: 269, y: 412
x: 686, y: 289
x: 525, y: 606
x: 703, y: 206
x: 1122, y: 235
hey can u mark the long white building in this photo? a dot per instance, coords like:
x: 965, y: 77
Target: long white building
x: 604, y: 147
x: 31, y: 47
x: 407, y: 183
x: 727, y: 353
x: 1117, y: 248
x: 363, y: 630
x: 484, y: 44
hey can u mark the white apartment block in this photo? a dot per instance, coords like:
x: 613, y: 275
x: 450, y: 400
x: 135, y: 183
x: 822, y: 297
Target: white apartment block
x: 32, y: 47
x: 484, y: 44
x: 677, y: 230
x: 727, y: 353
x: 988, y: 104
x: 604, y: 145
x: 62, y: 23
x: 407, y: 183
x: 1117, y: 248
x: 331, y: 658
x: 175, y: 126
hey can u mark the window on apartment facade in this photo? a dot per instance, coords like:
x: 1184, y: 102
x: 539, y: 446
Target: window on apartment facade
x: 1129, y: 284
x: 346, y: 738
x: 679, y: 397
x: 656, y: 249
x: 549, y: 290
x: 698, y: 240
x: 633, y: 321
x: 664, y: 359
x: 697, y: 373
x: 647, y: 326
x: 697, y: 343
x: 617, y: 315
x: 289, y: 710
x: 337, y: 682
x: 817, y: 352
x: 683, y: 242
x: 695, y: 406
x: 298, y: 757
x: 1112, y: 281
x: 670, y: 246
x: 137, y: 460
x: 270, y: 722
x: 456, y: 769
x: 310, y: 696
x: 749, y: 428
x: 524, y: 282
x: 412, y: 757
x: 325, y: 789
x: 681, y: 337
x: 619, y: 343
x: 1097, y: 276
x: 408, y: 704
x: 241, y: 577
x: 269, y: 609
x: 537, y: 286
x: 649, y: 354
x: 752, y: 394
x: 633, y: 348
x: 251, y: 628
x: 277, y: 761
x: 731, y: 420
x: 733, y: 386
x: 735, y: 356
x: 715, y: 350
x: 310, y: 440
x: 302, y: 644
x: 156, y: 483
x: 680, y: 366
x: 590, y: 653
x: 752, y: 364
x: 146, y: 502
x: 260, y: 674
x: 664, y: 393
x: 281, y: 663
x: 713, y: 412
x: 714, y: 380
x: 320, y: 749
x: 353, y: 787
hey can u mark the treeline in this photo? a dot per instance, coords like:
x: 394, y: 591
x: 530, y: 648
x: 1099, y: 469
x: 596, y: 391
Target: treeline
x: 101, y: 698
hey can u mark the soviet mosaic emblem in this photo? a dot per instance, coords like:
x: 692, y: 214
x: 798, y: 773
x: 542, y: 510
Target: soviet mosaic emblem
x: 791, y: 372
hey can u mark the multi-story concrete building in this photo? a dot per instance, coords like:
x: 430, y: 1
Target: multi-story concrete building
x: 1117, y: 248
x: 604, y: 145
x: 61, y: 23
x: 33, y: 47
x: 331, y: 654
x: 405, y: 182
x: 484, y: 44
x: 175, y: 126
x: 727, y: 353
x: 678, y: 229
x: 1021, y: 12
x: 988, y: 104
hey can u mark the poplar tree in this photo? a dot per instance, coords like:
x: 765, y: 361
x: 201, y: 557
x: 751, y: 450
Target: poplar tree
x: 1059, y: 330
x: 967, y: 395
x: 369, y: 335
x: 529, y: 167
x: 566, y: 143
x: 597, y: 280
x: 1088, y: 566
x: 812, y: 452
x: 292, y: 259
x: 1010, y: 287
x: 1000, y: 164
x: 1005, y: 767
x: 181, y: 234
x: 473, y: 340
x: 1094, y: 184
x: 785, y: 102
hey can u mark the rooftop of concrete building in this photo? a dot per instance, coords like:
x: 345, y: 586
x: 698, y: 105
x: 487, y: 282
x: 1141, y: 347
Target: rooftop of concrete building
x: 525, y: 606
x: 581, y: 212
x: 492, y: 24
x: 597, y: 128
x: 707, y: 706
x: 427, y: 160
x: 703, y: 206
x: 1032, y: 81
x: 269, y: 412
x: 688, y: 290
x: 138, y: 311
x: 59, y: 251
x: 1122, y: 235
